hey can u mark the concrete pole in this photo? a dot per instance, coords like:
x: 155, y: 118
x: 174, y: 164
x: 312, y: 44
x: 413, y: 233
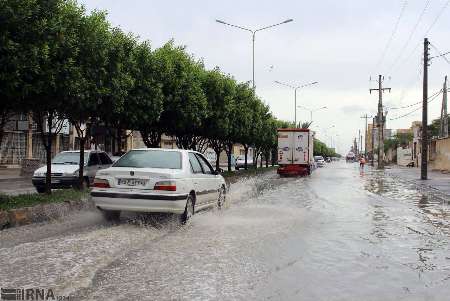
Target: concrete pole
x: 424, y: 157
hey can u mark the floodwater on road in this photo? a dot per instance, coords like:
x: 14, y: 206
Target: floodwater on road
x: 337, y: 235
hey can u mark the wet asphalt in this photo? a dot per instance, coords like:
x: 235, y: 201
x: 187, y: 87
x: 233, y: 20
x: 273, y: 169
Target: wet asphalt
x: 341, y: 234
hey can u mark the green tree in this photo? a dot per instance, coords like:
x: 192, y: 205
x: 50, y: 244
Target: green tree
x: 219, y: 91
x: 88, y: 87
x: 51, y: 37
x: 145, y: 101
x: 243, y: 118
x: 120, y: 75
x: 20, y: 47
x: 184, y: 102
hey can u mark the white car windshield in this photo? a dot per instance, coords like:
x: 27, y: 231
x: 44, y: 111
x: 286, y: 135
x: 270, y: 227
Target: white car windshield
x: 69, y: 158
x: 150, y: 159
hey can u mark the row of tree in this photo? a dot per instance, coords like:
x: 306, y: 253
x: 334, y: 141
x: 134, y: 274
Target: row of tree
x: 61, y: 63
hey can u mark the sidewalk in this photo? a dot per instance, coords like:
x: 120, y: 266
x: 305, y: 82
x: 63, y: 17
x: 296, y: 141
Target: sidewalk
x: 436, y: 180
x: 10, y: 174
x: 12, y: 183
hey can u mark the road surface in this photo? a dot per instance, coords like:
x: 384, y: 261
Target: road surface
x: 337, y: 235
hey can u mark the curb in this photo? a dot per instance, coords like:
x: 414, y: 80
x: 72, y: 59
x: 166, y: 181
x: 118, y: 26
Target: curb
x: 15, y: 180
x: 41, y: 213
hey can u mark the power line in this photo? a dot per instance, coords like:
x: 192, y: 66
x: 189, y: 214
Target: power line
x: 436, y: 19
x: 411, y: 34
x: 438, y: 16
x: 406, y: 89
x: 414, y: 104
x: 415, y: 110
x: 394, y: 31
x: 440, y: 54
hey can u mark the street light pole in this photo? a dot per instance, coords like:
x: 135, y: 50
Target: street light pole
x: 295, y: 95
x: 312, y: 111
x: 253, y: 32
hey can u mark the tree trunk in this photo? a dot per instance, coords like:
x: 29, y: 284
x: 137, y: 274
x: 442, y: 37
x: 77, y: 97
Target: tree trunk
x: 81, y: 164
x: 48, y: 155
x: 217, y: 159
x: 151, y: 139
x: 228, y: 150
x: 186, y: 142
x: 267, y: 159
x: 217, y: 146
x: 246, y: 147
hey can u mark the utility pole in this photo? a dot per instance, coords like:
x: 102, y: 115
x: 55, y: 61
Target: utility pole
x: 443, y: 133
x: 373, y: 140
x: 365, y: 134
x: 380, y: 121
x: 360, y: 142
x: 424, y: 157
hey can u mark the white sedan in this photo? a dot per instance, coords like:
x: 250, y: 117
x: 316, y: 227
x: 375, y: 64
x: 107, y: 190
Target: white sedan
x: 158, y: 180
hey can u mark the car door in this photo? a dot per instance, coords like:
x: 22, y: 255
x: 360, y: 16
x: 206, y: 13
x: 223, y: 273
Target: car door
x: 94, y: 164
x: 210, y: 180
x: 104, y: 160
x: 197, y: 179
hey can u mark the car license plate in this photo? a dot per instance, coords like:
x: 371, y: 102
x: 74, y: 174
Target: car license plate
x: 132, y: 182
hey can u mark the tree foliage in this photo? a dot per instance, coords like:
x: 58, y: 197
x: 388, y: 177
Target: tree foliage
x: 60, y: 62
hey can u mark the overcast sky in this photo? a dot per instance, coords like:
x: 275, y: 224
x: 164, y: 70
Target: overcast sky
x: 340, y: 44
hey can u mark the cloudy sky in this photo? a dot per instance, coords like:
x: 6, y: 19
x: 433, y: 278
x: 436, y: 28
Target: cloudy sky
x: 340, y: 44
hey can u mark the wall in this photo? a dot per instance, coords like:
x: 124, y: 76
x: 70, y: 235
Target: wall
x: 404, y: 156
x: 441, y: 155
x: 14, y: 144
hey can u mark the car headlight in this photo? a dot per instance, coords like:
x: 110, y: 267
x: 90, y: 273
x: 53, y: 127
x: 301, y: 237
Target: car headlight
x: 75, y: 173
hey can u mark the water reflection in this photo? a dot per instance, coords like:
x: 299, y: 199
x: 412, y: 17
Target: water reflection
x: 413, y: 221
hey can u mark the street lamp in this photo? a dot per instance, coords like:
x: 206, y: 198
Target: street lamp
x: 253, y: 32
x: 295, y: 95
x: 312, y: 111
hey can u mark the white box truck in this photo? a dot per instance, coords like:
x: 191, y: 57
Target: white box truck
x: 295, y: 151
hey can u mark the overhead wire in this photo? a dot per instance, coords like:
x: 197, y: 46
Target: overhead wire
x: 393, y: 33
x: 440, y: 54
x: 436, y: 19
x: 414, y: 104
x: 430, y: 99
x: 411, y: 34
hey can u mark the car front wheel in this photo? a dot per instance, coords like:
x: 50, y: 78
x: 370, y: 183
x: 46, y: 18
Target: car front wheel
x: 40, y: 189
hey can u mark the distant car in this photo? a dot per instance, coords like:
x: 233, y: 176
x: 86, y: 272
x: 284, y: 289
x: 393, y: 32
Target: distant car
x: 320, y: 162
x: 240, y: 162
x: 350, y: 158
x: 328, y: 160
x: 158, y: 180
x: 65, y: 166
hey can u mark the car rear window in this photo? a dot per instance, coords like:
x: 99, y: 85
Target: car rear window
x: 150, y: 159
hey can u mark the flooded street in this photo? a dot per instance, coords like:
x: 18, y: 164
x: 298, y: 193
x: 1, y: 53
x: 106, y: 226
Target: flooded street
x: 337, y: 235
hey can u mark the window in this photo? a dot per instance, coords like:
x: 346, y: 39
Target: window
x: 93, y: 159
x: 205, y: 164
x: 195, y: 165
x: 69, y: 158
x: 150, y: 159
x: 104, y: 159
